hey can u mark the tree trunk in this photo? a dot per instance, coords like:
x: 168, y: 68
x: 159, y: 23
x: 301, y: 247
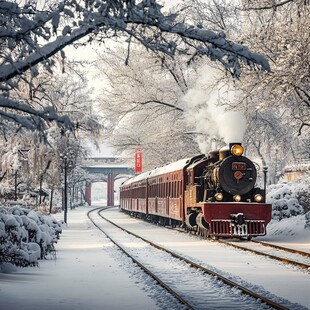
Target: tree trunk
x: 51, y: 200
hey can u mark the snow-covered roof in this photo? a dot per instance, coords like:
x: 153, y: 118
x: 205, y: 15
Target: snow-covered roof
x: 175, y: 166
x: 137, y: 178
x: 178, y: 165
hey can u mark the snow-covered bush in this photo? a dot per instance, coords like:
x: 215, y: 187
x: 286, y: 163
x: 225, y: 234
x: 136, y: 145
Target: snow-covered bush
x: 26, y: 236
x: 307, y: 216
x: 284, y: 202
x: 302, y: 192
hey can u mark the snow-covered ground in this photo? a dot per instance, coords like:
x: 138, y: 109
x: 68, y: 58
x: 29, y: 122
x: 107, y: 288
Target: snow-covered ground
x: 90, y: 273
x: 290, y: 232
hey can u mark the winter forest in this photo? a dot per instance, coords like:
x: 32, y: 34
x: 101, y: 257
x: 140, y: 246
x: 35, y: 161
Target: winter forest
x: 177, y: 78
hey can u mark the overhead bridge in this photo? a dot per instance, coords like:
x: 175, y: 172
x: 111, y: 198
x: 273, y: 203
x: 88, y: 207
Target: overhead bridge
x: 105, y: 169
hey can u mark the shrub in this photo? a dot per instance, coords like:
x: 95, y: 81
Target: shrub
x: 284, y: 202
x: 26, y: 236
x: 307, y: 216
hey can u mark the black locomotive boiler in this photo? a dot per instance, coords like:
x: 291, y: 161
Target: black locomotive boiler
x: 216, y: 195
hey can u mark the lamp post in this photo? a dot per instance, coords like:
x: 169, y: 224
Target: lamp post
x: 67, y: 163
x: 265, y: 169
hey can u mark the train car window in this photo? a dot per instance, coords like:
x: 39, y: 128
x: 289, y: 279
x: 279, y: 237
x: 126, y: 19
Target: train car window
x: 163, y: 190
x: 190, y: 181
x: 174, y: 189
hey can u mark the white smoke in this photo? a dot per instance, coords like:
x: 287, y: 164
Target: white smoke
x: 208, y: 118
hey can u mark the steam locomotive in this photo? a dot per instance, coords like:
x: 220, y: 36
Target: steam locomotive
x: 215, y: 195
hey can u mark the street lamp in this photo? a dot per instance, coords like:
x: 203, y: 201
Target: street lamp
x: 67, y: 163
x: 265, y: 169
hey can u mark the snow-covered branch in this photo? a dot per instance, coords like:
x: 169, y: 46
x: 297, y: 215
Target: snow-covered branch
x: 30, y: 37
x: 33, y: 117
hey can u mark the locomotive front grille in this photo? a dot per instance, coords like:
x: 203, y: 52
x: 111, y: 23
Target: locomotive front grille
x: 224, y: 228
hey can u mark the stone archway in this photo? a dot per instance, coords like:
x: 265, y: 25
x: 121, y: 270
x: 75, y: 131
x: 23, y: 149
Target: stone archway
x: 105, y: 169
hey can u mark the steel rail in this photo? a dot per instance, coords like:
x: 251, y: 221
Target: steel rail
x: 282, y: 248
x: 145, y: 269
x: 281, y: 259
x: 203, y: 269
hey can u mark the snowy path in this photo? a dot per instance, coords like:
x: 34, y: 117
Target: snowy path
x: 84, y: 276
x: 90, y: 273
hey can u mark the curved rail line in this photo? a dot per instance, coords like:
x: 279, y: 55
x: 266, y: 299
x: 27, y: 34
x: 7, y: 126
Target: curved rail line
x: 282, y: 259
x: 146, y: 270
x: 282, y: 248
x: 198, y: 267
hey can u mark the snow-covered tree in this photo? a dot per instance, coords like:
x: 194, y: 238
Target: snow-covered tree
x: 275, y: 103
x: 31, y: 162
x: 34, y: 32
x: 141, y: 105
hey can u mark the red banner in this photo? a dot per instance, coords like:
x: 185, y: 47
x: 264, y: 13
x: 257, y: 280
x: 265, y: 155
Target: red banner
x: 138, y: 161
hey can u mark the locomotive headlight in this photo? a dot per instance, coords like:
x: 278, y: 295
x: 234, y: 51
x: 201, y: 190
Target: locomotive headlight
x: 258, y: 198
x: 237, y: 198
x: 237, y: 150
x: 219, y: 196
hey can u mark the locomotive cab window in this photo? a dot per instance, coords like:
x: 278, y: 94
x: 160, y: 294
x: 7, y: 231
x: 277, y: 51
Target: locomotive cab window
x: 190, y: 178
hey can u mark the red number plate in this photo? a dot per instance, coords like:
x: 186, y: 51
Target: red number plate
x: 238, y: 166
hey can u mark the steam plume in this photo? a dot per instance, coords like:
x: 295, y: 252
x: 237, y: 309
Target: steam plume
x: 210, y: 119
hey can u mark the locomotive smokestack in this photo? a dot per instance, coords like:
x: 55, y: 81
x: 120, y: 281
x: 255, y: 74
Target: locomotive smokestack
x: 231, y: 144
x: 227, y: 150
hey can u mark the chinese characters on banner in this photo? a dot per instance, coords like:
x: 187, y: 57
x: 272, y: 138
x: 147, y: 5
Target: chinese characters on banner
x: 138, y: 161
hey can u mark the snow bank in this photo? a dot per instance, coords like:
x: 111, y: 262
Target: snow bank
x: 290, y: 200
x: 25, y: 237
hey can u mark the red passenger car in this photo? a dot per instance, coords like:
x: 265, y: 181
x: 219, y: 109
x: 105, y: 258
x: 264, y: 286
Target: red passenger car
x: 215, y: 195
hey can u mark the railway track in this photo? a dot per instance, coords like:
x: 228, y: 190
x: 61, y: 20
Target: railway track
x: 282, y: 254
x: 175, y: 273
